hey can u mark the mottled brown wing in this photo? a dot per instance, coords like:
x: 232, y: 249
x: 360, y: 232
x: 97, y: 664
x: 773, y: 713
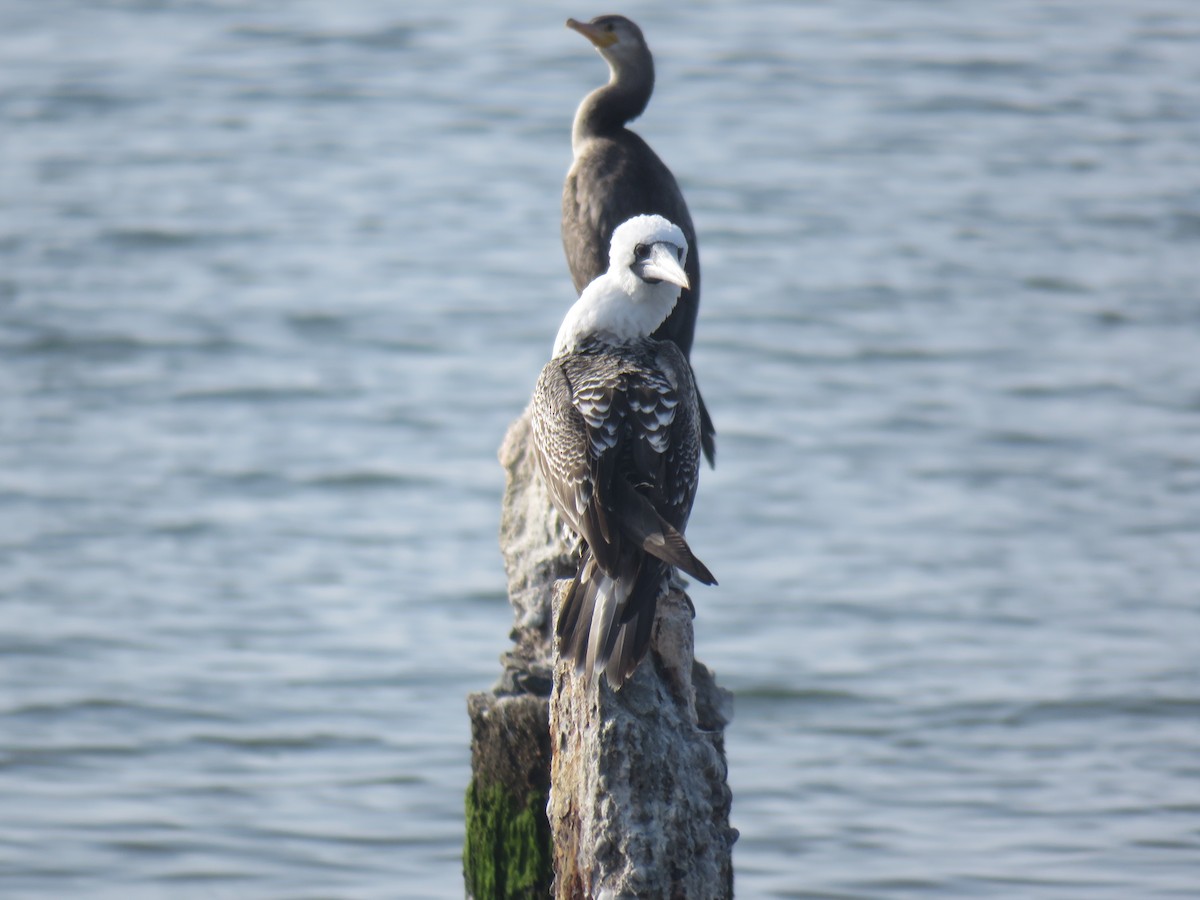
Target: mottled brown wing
x: 575, y: 423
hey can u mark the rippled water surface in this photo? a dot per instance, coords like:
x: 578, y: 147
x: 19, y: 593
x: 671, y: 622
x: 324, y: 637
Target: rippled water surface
x: 274, y: 278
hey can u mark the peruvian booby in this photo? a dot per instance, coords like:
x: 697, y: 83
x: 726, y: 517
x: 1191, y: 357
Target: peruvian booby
x: 616, y: 436
x: 614, y: 175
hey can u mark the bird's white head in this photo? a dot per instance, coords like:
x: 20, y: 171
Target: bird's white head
x: 645, y: 274
x: 647, y: 251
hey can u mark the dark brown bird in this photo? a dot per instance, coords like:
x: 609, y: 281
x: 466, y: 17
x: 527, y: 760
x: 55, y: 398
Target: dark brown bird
x: 615, y: 176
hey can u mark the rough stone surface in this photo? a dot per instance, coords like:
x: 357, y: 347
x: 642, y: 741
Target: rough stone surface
x: 639, y: 805
x: 537, y: 553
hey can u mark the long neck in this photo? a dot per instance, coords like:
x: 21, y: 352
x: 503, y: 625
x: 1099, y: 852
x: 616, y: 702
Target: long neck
x: 605, y: 110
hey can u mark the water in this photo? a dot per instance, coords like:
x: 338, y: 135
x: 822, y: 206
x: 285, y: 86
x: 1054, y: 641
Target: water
x: 274, y: 278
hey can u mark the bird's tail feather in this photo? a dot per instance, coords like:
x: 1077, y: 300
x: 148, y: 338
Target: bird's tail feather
x: 571, y: 610
x: 605, y: 621
x: 637, y: 622
x: 708, y: 433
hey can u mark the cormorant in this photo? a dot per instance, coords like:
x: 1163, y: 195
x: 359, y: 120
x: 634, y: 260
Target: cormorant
x: 616, y: 436
x: 615, y: 175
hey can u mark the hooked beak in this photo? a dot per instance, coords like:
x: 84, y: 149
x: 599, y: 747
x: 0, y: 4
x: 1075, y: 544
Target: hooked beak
x: 593, y: 33
x: 662, y: 265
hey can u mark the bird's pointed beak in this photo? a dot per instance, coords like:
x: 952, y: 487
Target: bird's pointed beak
x: 663, y: 265
x: 596, y: 35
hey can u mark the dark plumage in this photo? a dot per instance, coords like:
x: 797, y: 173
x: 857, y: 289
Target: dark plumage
x: 615, y: 175
x: 616, y: 435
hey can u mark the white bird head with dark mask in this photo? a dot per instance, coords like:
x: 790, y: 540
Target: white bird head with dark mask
x: 639, y: 290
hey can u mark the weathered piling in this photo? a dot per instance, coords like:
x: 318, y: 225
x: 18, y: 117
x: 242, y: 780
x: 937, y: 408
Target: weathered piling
x: 639, y: 806
x: 508, y: 852
x: 635, y: 779
x: 508, y: 848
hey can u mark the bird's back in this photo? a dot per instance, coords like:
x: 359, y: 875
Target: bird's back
x: 617, y: 438
x: 649, y: 433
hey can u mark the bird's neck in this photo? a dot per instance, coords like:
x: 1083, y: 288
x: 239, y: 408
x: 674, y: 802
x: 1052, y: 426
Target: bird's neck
x: 605, y: 110
x: 607, y: 310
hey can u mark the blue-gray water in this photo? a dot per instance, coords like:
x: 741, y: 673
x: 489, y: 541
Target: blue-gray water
x: 274, y: 278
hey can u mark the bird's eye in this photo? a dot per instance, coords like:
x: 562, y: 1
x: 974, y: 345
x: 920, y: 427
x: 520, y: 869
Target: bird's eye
x: 641, y: 250
x: 610, y: 27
